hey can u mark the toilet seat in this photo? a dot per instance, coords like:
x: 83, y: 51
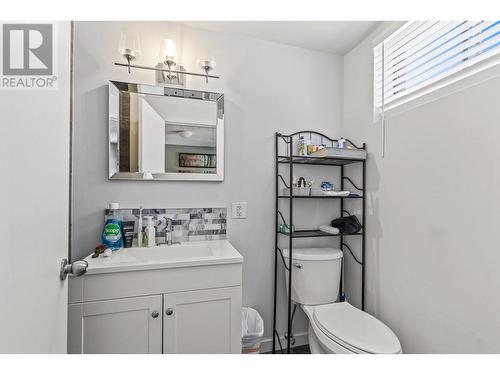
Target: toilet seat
x: 352, y: 329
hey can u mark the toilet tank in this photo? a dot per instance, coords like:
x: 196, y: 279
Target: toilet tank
x: 316, y: 274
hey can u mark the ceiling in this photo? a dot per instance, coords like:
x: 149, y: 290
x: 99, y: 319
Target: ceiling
x: 337, y: 37
x: 203, y: 134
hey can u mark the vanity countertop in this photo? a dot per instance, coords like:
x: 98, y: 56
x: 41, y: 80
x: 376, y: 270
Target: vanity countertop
x: 188, y: 254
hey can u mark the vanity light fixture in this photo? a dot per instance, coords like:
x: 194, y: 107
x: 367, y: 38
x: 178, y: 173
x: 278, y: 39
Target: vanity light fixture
x: 129, y: 48
x: 168, y: 53
x: 207, y: 66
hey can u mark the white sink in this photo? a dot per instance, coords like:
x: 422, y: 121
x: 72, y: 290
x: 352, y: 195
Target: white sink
x: 164, y: 253
x: 166, y: 256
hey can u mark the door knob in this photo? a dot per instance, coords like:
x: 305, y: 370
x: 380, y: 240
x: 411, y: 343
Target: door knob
x: 155, y: 314
x: 77, y: 268
x: 169, y: 311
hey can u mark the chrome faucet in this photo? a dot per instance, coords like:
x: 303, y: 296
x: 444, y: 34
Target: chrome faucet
x: 168, y: 232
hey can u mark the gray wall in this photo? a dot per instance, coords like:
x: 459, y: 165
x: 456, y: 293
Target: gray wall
x: 433, y: 209
x: 268, y: 87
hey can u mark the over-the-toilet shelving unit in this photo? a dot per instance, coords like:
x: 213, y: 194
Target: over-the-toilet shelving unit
x: 289, y: 160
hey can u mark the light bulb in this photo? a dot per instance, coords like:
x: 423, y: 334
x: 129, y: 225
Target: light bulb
x: 206, y: 65
x: 129, y: 45
x: 169, y: 52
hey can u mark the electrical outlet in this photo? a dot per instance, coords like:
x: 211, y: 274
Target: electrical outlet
x: 239, y: 210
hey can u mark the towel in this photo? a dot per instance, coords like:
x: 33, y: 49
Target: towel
x: 328, y: 229
x: 336, y: 193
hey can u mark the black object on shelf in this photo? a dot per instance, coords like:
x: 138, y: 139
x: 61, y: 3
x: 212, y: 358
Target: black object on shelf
x: 290, y: 160
x: 347, y: 224
x: 357, y: 196
x: 311, y: 160
x: 316, y: 233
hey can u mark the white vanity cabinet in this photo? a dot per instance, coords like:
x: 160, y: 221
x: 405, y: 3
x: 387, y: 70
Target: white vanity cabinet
x: 125, y: 325
x: 202, y: 321
x: 169, y: 306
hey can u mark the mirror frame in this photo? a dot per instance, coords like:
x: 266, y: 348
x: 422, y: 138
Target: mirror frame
x: 218, y: 98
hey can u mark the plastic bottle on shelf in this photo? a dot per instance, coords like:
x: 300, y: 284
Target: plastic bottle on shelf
x: 302, y: 146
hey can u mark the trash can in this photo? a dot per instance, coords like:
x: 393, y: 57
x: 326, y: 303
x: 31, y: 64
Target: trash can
x: 252, y: 331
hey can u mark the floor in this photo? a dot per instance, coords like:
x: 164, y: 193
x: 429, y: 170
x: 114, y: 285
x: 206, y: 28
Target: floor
x: 303, y: 349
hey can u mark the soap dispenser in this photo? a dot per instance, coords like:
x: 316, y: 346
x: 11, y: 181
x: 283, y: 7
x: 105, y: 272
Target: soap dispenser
x: 149, y: 232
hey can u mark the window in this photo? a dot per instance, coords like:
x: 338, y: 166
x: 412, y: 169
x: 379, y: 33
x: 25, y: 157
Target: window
x: 422, y: 53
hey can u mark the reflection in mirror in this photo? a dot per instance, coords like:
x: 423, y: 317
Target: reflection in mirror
x: 163, y: 133
x: 190, y: 149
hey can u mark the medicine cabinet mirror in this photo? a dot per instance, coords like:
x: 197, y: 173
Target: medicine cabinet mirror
x: 164, y: 133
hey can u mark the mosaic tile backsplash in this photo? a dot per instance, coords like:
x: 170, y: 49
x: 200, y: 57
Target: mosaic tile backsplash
x: 189, y: 224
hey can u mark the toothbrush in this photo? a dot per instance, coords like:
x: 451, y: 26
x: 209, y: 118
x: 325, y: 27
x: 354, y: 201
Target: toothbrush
x: 139, y: 228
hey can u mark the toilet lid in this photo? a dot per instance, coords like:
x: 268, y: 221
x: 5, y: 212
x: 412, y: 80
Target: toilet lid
x: 352, y: 327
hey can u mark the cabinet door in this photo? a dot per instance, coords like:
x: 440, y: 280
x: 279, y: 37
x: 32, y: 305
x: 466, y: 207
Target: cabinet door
x: 127, y: 325
x: 203, y: 321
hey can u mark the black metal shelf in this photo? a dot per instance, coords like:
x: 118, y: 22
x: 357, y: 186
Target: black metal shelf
x: 316, y: 233
x: 313, y: 160
x: 316, y: 197
x: 288, y: 238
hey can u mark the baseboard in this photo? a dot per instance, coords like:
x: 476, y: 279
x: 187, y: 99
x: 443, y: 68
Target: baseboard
x: 267, y: 344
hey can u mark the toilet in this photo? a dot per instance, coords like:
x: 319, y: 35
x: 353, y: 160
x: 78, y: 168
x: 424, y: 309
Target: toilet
x: 334, y: 327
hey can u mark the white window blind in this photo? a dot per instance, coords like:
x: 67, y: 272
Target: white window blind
x: 423, y: 52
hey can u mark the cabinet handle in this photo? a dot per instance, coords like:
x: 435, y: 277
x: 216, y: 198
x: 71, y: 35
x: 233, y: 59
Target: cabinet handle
x: 155, y: 314
x: 169, y: 311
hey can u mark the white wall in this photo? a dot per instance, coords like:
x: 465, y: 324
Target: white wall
x: 34, y: 201
x: 151, y: 139
x: 433, y: 208
x: 268, y: 87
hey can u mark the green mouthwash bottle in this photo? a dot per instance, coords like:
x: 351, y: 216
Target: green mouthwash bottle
x: 112, y: 233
